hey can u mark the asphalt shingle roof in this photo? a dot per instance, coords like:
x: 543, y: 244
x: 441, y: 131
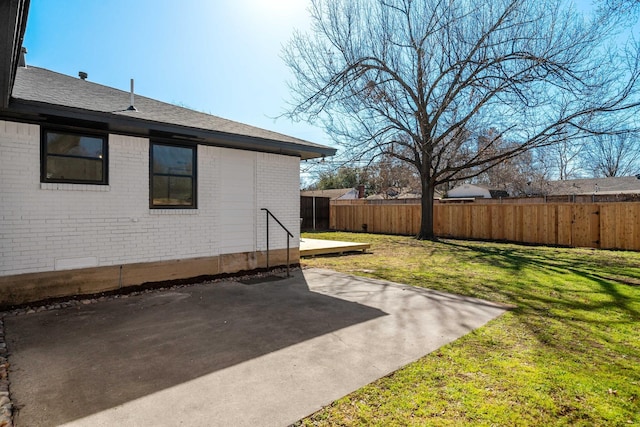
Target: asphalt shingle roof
x: 45, y: 87
x: 612, y: 185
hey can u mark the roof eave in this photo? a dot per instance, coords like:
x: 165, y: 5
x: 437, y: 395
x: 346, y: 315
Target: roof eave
x: 13, y: 22
x: 147, y: 128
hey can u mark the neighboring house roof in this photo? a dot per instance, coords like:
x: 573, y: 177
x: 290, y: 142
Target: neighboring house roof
x: 612, y: 185
x: 401, y: 193
x: 476, y: 190
x: 43, y: 93
x: 395, y: 193
x: 376, y: 197
x: 332, y: 194
x: 409, y: 195
x: 13, y: 22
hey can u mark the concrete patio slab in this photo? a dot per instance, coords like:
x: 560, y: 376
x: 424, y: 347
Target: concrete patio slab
x: 225, y: 353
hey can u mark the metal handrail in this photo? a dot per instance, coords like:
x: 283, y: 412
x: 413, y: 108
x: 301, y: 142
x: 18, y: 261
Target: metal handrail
x: 289, y: 236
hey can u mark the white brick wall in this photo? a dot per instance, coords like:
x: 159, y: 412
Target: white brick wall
x: 44, y: 226
x: 278, y: 189
x: 237, y: 201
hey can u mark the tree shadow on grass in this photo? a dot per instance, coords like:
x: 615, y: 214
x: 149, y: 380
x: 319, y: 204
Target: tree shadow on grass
x: 546, y: 286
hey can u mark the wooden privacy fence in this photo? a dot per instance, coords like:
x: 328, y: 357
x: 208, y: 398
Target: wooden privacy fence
x: 597, y: 225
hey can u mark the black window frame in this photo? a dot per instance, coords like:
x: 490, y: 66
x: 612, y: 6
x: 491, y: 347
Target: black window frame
x: 194, y: 174
x: 45, y: 155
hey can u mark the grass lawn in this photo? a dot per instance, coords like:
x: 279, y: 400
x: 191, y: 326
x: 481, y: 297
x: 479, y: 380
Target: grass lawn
x: 568, y: 354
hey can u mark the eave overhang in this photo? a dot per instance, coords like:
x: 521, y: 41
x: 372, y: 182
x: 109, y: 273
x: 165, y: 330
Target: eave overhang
x: 43, y: 113
x: 13, y: 22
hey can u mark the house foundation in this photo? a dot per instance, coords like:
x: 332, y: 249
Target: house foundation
x: 26, y: 288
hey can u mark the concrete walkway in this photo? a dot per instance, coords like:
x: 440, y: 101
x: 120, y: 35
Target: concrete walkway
x: 225, y: 353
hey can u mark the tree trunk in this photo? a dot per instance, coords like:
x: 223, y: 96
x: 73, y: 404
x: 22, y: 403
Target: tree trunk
x: 426, y: 202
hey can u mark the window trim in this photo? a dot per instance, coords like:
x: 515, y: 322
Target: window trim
x: 194, y: 174
x: 44, y: 155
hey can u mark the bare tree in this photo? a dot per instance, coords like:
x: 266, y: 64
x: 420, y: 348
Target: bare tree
x: 613, y: 155
x: 624, y: 7
x: 389, y: 175
x: 419, y: 80
x: 519, y: 176
x: 562, y: 160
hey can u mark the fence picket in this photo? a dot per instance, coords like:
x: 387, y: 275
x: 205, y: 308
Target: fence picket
x: 614, y: 225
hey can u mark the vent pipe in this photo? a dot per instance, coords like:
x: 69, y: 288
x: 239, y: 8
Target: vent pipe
x: 22, y: 61
x: 83, y: 75
x: 132, y: 104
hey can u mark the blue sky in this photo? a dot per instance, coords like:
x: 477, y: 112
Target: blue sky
x: 217, y: 56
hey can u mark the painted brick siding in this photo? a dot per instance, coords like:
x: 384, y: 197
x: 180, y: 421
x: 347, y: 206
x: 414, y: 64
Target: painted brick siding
x: 44, y: 227
x: 237, y: 201
x: 278, y: 189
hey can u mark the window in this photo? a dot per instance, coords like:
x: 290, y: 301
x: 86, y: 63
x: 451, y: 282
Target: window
x: 73, y: 158
x: 173, y: 177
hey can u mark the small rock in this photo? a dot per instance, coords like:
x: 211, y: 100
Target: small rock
x: 31, y: 311
x: 85, y: 302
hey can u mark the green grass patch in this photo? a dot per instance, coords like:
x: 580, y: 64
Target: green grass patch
x: 567, y: 354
